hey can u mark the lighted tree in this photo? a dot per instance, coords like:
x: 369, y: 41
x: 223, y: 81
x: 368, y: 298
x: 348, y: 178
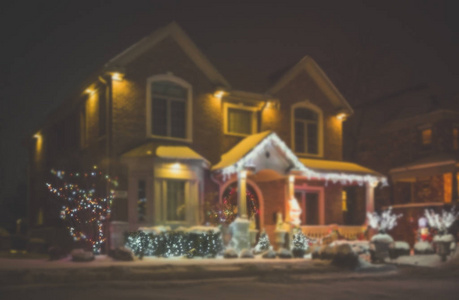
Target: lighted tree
x: 85, y: 199
x: 384, y: 222
x: 300, y: 241
x: 441, y: 222
x: 263, y: 243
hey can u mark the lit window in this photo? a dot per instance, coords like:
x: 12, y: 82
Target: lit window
x: 306, y: 130
x: 426, y: 136
x: 344, y: 200
x: 169, y: 107
x: 175, y: 202
x: 240, y: 120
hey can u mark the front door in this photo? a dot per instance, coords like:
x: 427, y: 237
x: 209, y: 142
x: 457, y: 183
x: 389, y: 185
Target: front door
x: 310, y: 205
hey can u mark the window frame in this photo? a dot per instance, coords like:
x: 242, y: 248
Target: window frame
x: 254, y: 118
x: 316, y: 109
x: 188, y: 104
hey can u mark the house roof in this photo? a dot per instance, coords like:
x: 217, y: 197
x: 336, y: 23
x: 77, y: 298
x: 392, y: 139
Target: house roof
x: 166, y: 152
x: 320, y: 78
x: 321, y: 165
x: 174, y: 31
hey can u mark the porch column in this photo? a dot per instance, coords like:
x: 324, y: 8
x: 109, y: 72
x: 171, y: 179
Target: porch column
x: 291, y: 186
x: 241, y: 194
x: 370, y: 196
x: 240, y: 226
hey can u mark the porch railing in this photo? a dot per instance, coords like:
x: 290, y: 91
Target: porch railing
x: 321, y: 231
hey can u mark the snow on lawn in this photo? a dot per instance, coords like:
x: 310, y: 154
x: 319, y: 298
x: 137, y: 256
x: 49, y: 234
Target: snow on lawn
x: 425, y: 260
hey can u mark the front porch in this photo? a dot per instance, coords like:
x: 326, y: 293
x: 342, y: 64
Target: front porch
x: 309, y: 193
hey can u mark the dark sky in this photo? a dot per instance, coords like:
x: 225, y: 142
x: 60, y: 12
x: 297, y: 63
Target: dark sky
x: 368, y: 49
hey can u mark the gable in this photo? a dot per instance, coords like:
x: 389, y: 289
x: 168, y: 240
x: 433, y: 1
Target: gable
x: 174, y: 32
x: 319, y: 77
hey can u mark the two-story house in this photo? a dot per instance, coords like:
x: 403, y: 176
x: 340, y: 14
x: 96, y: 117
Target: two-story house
x: 164, y: 121
x: 416, y: 140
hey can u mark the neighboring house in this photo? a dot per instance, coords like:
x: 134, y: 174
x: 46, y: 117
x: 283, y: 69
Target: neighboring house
x: 414, y: 139
x: 161, y: 118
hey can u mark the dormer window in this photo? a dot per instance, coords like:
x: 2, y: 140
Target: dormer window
x: 239, y: 119
x: 168, y: 108
x: 307, y: 129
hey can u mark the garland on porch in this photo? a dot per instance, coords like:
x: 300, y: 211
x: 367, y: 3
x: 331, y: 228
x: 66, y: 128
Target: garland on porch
x: 226, y: 212
x: 85, y: 204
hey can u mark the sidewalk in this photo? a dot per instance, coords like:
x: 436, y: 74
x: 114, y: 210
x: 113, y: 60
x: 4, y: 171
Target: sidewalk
x: 18, y: 272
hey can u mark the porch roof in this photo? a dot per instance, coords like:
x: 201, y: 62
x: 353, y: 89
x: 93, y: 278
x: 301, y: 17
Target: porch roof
x: 245, y: 153
x: 435, y: 164
x: 321, y: 165
x: 235, y: 154
x: 166, y: 152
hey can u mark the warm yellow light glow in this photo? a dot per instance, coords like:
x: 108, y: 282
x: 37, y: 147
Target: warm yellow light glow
x: 90, y: 91
x: 427, y: 136
x: 447, y: 187
x: 374, y: 183
x: 175, y: 166
x: 95, y: 167
x: 117, y: 76
x: 274, y: 104
x: 343, y: 200
x: 149, y: 152
x: 341, y: 116
x: 37, y: 136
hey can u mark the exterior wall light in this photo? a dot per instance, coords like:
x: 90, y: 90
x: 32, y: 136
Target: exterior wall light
x: 117, y: 76
x: 274, y: 104
x: 220, y: 92
x: 90, y: 91
x: 341, y: 116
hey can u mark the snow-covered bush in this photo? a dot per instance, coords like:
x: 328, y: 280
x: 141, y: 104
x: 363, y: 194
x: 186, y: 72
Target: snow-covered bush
x: 441, y: 222
x: 246, y: 253
x: 384, y: 222
x: 205, y: 242
x: 345, y: 257
x: 423, y: 247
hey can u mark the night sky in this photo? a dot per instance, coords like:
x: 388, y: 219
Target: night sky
x: 367, y: 49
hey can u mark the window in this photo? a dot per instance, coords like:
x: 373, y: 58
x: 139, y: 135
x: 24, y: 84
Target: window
x: 169, y: 107
x: 102, y: 112
x: 175, y: 202
x: 240, y: 120
x: 306, y: 127
x: 426, y: 136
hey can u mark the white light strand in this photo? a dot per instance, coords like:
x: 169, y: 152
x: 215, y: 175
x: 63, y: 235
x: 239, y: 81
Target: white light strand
x: 310, y: 174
